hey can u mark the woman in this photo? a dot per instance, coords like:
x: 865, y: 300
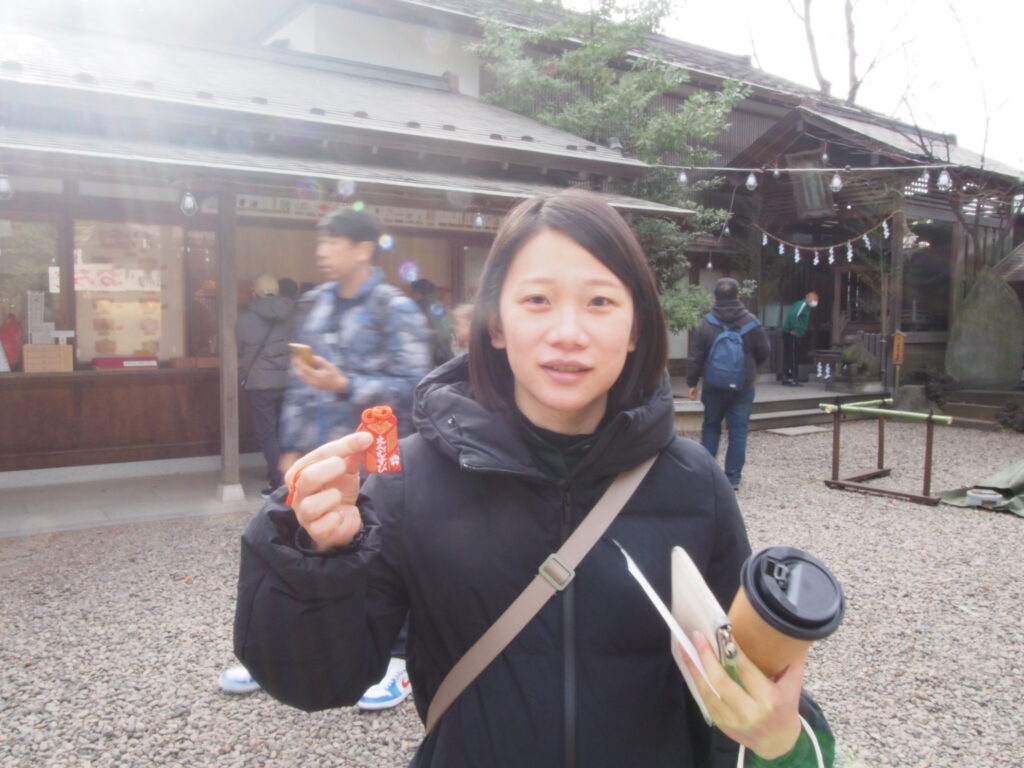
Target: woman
x: 564, y: 387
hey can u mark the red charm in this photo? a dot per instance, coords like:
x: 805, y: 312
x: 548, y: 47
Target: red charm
x: 382, y: 455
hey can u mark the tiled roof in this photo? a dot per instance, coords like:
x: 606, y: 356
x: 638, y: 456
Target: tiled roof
x: 256, y: 84
x: 264, y: 165
x: 907, y: 140
x: 698, y: 59
x: 690, y: 56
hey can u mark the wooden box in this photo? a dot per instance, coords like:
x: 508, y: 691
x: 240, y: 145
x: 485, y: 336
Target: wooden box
x: 48, y: 358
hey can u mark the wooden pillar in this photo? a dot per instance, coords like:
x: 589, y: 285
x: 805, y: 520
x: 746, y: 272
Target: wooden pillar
x: 66, y: 255
x: 837, y: 311
x: 956, y: 287
x: 230, y: 487
x: 756, y: 250
x: 895, y: 309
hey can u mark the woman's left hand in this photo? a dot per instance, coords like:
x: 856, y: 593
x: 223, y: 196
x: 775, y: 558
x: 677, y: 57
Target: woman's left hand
x: 762, y: 713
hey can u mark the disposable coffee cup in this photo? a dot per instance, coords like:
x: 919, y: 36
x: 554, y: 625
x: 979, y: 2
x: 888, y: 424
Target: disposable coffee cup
x: 787, y: 600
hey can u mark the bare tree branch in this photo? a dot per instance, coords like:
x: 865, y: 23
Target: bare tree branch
x: 851, y: 52
x: 823, y: 85
x: 977, y: 69
x: 753, y: 48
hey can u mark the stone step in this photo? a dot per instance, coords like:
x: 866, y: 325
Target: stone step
x: 690, y: 422
x: 972, y: 411
x: 987, y: 397
x: 981, y: 424
x: 791, y: 418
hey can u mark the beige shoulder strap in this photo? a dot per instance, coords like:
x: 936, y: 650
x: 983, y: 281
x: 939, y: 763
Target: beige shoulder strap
x: 553, y: 575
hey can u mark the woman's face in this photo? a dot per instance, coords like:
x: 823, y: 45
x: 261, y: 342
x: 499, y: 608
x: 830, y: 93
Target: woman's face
x: 566, y: 323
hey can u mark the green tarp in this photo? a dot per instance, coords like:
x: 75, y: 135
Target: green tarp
x: 1008, y: 481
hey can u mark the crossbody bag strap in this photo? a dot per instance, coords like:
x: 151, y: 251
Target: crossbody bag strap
x: 254, y: 358
x: 553, y: 575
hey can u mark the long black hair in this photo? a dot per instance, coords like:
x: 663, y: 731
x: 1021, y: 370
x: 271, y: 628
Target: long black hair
x: 597, y: 227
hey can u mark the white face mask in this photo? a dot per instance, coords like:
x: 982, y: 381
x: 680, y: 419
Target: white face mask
x: 812, y: 304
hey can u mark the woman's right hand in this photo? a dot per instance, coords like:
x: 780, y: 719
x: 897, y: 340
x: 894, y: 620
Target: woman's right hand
x: 327, y: 489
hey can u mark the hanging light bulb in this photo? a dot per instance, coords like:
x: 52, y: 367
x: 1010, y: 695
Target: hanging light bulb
x: 764, y: 239
x: 189, y: 205
x: 683, y: 179
x: 849, y: 251
x: 776, y: 174
x: 831, y: 255
x: 478, y: 220
x: 796, y: 255
x: 782, y: 250
x: 817, y: 259
x: 709, y: 266
x: 867, y: 242
x: 824, y: 154
x: 751, y: 184
x: 6, y: 190
x: 885, y: 229
x: 725, y: 230
x: 945, y: 182
x: 836, y: 185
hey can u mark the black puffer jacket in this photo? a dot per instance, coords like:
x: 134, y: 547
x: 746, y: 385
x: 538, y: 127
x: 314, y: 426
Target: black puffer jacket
x: 452, y: 540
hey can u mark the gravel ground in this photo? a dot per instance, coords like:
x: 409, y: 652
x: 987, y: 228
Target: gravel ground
x: 112, y: 639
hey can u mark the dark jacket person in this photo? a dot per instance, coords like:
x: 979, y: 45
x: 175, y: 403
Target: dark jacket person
x: 564, y: 387
x: 262, y: 332
x: 732, y: 406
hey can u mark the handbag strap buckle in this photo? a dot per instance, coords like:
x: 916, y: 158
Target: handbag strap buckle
x: 556, y: 572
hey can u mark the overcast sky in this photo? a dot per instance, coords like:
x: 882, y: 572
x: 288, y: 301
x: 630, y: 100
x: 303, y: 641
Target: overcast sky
x: 952, y: 73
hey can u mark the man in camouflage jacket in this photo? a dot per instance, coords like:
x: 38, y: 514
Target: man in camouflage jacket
x: 371, y: 343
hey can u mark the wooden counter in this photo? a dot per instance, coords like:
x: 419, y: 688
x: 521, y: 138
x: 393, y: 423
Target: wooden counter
x: 99, y: 417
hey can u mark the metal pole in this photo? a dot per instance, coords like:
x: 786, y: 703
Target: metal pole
x: 835, y: 444
x: 881, y: 442
x: 929, y: 433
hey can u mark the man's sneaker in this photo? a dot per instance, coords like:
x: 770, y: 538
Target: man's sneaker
x: 267, y: 492
x: 389, y: 692
x: 237, y: 680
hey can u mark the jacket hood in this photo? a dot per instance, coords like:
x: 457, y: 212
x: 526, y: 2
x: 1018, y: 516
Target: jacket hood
x: 272, y: 308
x: 731, y: 312
x: 447, y: 416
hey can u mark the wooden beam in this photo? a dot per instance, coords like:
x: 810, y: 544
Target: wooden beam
x: 956, y: 287
x: 895, y: 309
x: 230, y: 487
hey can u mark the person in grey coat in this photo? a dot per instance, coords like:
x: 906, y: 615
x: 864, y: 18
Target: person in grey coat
x: 263, y: 331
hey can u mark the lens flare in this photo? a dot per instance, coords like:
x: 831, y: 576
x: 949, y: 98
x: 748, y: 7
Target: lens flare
x: 459, y: 199
x: 409, y: 271
x: 386, y: 242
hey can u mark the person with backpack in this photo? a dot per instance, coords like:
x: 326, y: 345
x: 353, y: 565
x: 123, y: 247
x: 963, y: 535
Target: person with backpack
x: 728, y: 346
x: 370, y: 346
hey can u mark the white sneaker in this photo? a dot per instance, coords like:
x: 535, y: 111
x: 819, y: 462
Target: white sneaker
x: 237, y: 680
x: 389, y: 692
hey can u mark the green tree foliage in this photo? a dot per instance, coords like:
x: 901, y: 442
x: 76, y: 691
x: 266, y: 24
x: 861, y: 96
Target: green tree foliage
x: 596, y: 75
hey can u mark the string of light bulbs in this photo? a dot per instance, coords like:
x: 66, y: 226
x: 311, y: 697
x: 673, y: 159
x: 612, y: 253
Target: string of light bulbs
x: 944, y: 181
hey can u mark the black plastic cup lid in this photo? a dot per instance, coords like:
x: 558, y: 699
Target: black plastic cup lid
x: 793, y: 592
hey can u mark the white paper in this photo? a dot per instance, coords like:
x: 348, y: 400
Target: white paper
x: 673, y: 625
